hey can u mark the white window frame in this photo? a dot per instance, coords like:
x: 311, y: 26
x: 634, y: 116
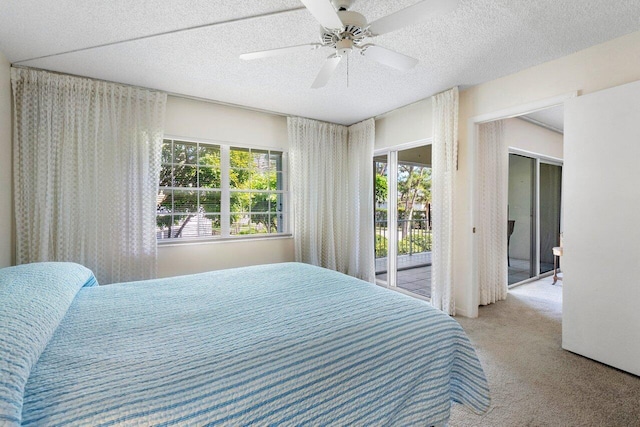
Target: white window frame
x: 225, y: 193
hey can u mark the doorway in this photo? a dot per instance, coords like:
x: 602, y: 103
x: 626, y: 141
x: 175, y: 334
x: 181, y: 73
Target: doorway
x: 534, y: 212
x: 403, y: 226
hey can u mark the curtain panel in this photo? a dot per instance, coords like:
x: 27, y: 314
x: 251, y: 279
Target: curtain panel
x: 332, y: 192
x: 493, y: 190
x: 445, y: 158
x: 86, y: 168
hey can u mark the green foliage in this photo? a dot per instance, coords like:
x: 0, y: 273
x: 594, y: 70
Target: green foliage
x: 415, y: 244
x: 409, y: 245
x: 381, y: 246
x: 195, y: 169
x: 381, y: 189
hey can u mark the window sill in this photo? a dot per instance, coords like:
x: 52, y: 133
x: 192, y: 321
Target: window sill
x: 207, y: 241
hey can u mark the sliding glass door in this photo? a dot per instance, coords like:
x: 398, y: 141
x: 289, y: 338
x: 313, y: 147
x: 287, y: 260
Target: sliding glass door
x: 533, y: 227
x: 550, y: 199
x: 521, y: 249
x: 403, y: 219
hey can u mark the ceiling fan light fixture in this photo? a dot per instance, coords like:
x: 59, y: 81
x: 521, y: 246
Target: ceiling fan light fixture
x: 344, y: 47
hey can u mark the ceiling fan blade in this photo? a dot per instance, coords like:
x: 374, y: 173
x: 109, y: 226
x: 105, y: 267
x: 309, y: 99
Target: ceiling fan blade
x: 326, y: 72
x: 412, y: 15
x: 324, y: 13
x: 388, y: 57
x: 279, y: 51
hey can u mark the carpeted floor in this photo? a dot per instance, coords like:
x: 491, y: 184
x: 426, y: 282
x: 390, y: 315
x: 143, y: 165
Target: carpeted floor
x: 533, y: 381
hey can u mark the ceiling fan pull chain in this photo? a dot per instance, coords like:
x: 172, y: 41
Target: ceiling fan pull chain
x: 347, y: 71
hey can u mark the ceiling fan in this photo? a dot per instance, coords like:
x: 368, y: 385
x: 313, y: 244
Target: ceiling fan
x: 345, y: 31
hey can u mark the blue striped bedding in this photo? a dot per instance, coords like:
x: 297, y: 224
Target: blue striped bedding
x: 283, y: 344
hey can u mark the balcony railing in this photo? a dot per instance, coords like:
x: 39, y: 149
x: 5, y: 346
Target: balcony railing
x: 414, y: 236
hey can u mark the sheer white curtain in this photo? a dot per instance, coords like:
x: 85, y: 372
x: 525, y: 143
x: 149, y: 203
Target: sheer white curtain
x: 332, y: 192
x: 360, y: 200
x: 86, y: 168
x: 444, y: 153
x: 492, y: 181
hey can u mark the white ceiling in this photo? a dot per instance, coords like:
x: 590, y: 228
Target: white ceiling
x: 480, y: 41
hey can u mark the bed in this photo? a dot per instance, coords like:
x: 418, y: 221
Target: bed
x: 282, y: 344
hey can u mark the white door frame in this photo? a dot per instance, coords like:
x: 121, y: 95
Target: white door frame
x: 472, y: 132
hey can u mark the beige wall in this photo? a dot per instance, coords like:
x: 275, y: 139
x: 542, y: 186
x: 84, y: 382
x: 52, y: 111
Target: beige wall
x: 179, y: 259
x: 207, y: 120
x: 599, y: 67
x: 190, y: 118
x: 404, y: 125
x: 526, y: 136
x: 6, y: 182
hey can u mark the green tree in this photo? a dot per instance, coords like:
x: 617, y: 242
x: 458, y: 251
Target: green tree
x: 381, y: 189
x: 414, y: 186
x: 185, y: 165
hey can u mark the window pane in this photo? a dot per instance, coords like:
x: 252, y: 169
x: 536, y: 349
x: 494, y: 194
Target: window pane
x: 260, y: 159
x: 275, y: 160
x: 260, y: 223
x: 240, y: 202
x: 185, y: 201
x: 166, y: 151
x: 259, y: 202
x: 185, y: 176
x: 165, y: 176
x: 239, y: 178
x: 209, y: 155
x: 209, y: 225
x: 184, y: 152
x: 209, y: 177
x: 263, y: 181
x: 278, y: 222
x: 163, y: 226
x: 240, y: 158
x: 240, y: 224
x: 275, y: 203
x: 185, y: 226
x: 189, y: 203
x: 164, y: 202
x: 210, y: 201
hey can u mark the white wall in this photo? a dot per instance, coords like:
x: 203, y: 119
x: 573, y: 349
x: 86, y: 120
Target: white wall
x: 215, y: 122
x: 601, y: 289
x: 6, y: 181
x: 603, y: 66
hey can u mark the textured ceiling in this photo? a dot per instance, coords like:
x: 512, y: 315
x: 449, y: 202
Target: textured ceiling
x: 480, y: 41
x: 552, y: 118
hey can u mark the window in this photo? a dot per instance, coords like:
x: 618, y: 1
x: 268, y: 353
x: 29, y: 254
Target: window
x: 215, y: 190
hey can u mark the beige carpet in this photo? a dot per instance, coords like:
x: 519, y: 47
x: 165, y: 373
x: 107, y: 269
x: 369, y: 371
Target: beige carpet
x: 533, y: 381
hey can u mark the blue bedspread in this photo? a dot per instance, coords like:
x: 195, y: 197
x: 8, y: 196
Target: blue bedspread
x: 283, y: 344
